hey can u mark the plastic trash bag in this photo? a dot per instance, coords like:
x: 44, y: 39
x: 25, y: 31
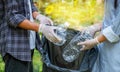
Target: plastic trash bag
x: 53, y: 60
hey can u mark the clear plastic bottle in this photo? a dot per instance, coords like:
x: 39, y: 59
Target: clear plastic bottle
x: 72, y: 50
x: 61, y: 33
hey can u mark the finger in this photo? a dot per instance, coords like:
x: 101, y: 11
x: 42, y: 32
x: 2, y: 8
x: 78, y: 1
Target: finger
x: 83, y: 31
x: 56, y: 38
x: 81, y: 43
x: 50, y: 21
x: 53, y: 38
x: 55, y: 27
x: 83, y: 48
x: 50, y: 37
x: 47, y: 22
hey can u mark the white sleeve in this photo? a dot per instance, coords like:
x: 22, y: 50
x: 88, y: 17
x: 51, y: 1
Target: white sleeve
x: 110, y: 35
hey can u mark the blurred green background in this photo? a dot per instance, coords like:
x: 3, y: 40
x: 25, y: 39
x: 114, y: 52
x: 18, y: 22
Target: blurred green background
x: 77, y: 13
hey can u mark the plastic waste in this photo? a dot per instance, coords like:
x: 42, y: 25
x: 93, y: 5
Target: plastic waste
x: 72, y: 51
x: 61, y: 33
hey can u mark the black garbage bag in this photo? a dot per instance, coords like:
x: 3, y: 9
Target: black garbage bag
x: 54, y: 62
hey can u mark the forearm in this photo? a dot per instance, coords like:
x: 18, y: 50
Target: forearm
x: 28, y: 25
x: 101, y: 38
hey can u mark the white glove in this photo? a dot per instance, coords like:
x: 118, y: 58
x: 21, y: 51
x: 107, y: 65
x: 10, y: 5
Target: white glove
x: 92, y: 29
x: 88, y: 44
x: 44, y: 20
x: 48, y: 32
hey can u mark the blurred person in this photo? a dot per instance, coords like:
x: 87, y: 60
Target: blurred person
x: 108, y: 41
x: 18, y: 35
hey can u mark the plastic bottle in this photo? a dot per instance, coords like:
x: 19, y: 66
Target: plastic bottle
x: 72, y: 51
x: 61, y: 33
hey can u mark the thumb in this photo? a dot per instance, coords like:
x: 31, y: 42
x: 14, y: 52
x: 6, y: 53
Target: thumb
x: 50, y: 21
x: 57, y: 38
x: 83, y: 48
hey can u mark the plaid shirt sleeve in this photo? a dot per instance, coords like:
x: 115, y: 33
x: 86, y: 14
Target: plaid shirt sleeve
x: 13, y: 16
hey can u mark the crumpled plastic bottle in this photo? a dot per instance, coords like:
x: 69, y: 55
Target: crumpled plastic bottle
x: 72, y: 51
x: 61, y: 33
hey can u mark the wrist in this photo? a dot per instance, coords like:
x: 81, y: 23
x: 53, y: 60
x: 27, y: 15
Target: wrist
x: 101, y: 38
x: 41, y: 27
x: 97, y: 41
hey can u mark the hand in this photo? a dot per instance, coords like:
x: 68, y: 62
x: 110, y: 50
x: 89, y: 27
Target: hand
x: 48, y: 32
x: 92, y: 29
x: 44, y: 20
x: 88, y: 44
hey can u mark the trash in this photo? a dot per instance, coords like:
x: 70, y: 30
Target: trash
x: 53, y: 60
x: 72, y: 50
x: 61, y: 33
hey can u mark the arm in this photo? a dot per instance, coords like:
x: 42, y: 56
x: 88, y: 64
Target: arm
x: 16, y: 19
x: 107, y: 34
x: 112, y: 32
x: 101, y: 38
x: 26, y: 24
x: 88, y: 44
x: 13, y: 17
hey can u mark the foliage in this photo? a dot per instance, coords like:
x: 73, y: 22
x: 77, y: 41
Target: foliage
x: 1, y: 65
x: 76, y: 12
x: 37, y: 61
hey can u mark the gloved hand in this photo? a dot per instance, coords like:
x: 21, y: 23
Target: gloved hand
x: 88, y: 44
x: 48, y: 32
x: 44, y: 20
x: 92, y: 29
